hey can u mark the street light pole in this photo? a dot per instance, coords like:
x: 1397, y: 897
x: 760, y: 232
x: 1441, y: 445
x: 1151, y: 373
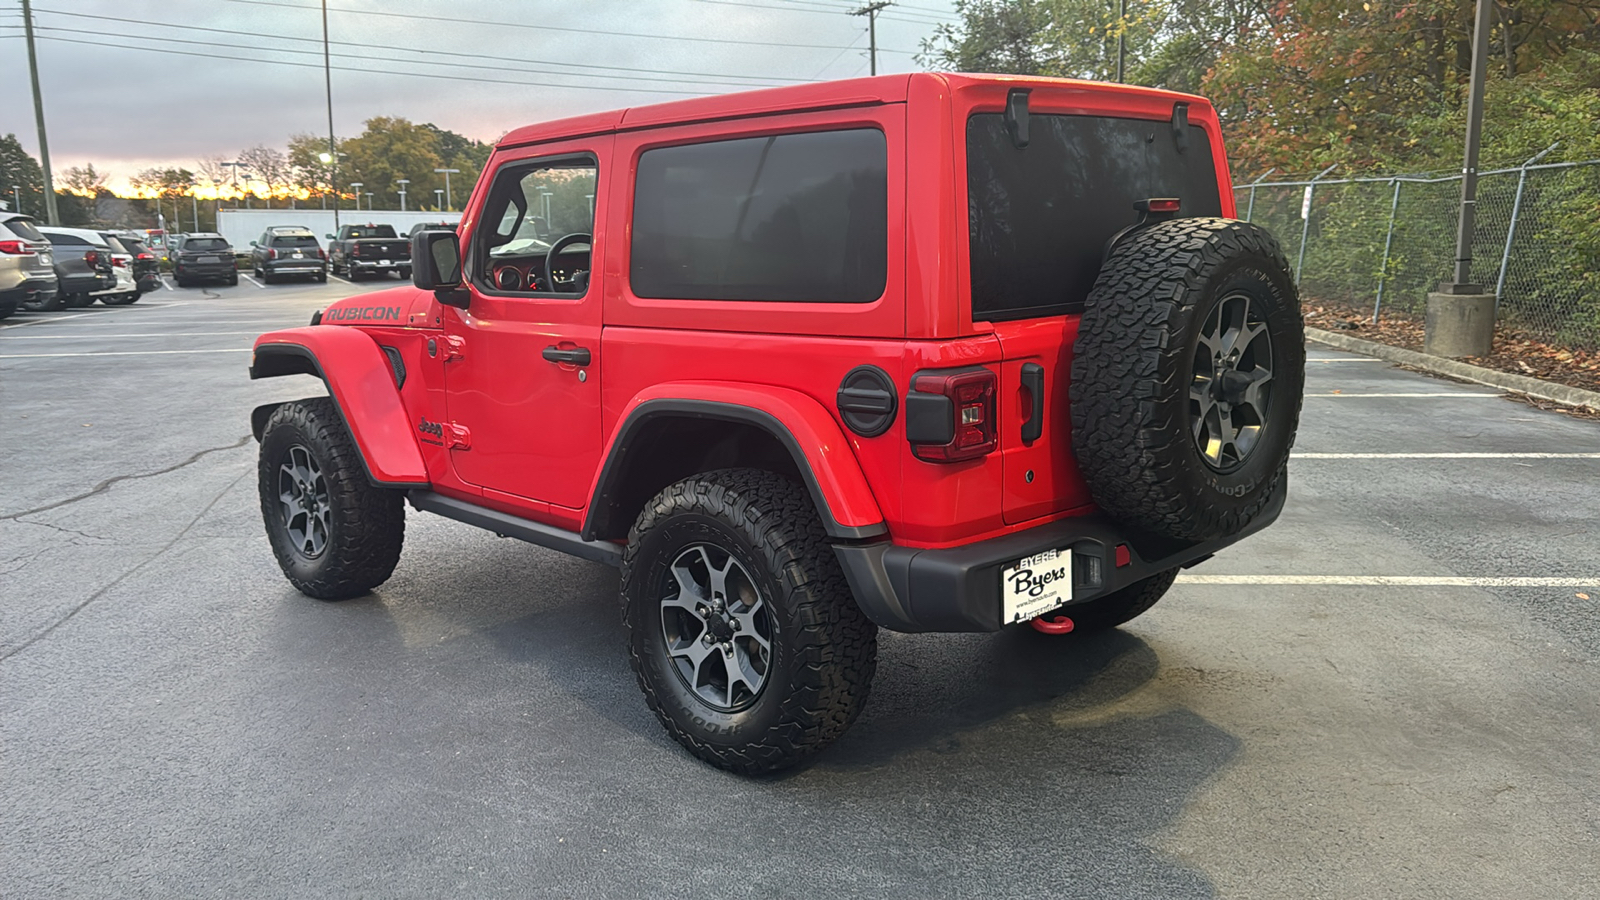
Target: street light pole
x: 358, y: 186
x: 1122, y: 37
x: 333, y: 148
x: 871, y: 11
x: 50, y: 212
x: 1460, y: 318
x: 449, y: 200
x: 403, y: 182
x: 438, y: 199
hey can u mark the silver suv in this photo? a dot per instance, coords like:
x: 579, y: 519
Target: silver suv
x: 27, y: 265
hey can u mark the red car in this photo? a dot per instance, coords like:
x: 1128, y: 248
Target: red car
x: 925, y: 352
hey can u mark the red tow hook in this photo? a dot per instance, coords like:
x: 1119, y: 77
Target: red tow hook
x: 1052, y: 625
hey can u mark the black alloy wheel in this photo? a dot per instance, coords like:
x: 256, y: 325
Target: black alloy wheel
x: 1231, y: 391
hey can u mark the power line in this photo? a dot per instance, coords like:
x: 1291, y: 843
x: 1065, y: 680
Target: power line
x: 434, y: 75
x: 459, y: 21
x: 499, y: 59
x: 356, y: 56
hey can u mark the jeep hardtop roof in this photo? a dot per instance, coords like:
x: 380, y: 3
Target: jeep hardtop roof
x: 826, y: 95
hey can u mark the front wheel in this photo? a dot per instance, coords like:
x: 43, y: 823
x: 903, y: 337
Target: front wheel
x: 741, y: 629
x: 335, y: 535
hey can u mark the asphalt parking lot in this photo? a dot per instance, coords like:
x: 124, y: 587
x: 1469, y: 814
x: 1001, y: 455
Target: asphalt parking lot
x: 1391, y: 692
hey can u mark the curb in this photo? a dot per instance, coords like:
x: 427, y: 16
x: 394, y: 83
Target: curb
x: 1438, y: 365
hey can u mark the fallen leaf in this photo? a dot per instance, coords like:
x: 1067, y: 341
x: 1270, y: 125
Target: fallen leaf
x: 1583, y: 596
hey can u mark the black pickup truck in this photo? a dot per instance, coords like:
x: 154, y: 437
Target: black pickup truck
x: 369, y: 249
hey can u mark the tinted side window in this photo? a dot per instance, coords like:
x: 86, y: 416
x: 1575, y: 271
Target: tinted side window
x: 1040, y: 216
x: 24, y: 229
x: 792, y: 217
x: 68, y: 240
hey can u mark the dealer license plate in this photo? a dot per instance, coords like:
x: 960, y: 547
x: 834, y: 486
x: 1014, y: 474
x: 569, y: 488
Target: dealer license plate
x: 383, y: 262
x: 209, y: 259
x: 1034, y: 585
x: 299, y: 255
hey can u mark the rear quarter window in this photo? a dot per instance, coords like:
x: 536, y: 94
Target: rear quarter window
x: 1039, y: 217
x: 791, y: 217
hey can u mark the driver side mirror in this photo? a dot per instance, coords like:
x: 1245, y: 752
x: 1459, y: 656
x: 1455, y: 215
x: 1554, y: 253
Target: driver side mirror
x: 436, y: 266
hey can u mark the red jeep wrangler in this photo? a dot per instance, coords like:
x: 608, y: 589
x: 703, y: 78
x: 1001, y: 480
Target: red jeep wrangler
x: 927, y: 352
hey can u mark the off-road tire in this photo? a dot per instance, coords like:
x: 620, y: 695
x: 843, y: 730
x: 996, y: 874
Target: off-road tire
x: 367, y: 523
x: 322, y: 277
x: 1119, y: 606
x: 1133, y: 365
x: 823, y: 649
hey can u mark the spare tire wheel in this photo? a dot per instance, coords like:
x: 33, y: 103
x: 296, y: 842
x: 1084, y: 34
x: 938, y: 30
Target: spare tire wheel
x: 1187, y: 376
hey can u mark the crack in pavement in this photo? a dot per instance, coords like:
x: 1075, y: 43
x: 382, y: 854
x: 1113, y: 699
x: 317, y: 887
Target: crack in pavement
x: 124, y: 576
x: 62, y: 529
x: 104, y: 486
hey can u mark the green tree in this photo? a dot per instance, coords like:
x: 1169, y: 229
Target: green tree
x: 390, y: 149
x: 20, y: 170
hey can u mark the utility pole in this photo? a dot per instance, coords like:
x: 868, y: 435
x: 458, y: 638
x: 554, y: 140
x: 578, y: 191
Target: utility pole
x: 333, y: 148
x: 871, y: 11
x: 1460, y: 318
x: 1122, y: 37
x: 50, y: 213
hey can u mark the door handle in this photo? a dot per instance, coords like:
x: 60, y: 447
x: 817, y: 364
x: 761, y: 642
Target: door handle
x: 1033, y: 380
x: 577, y: 356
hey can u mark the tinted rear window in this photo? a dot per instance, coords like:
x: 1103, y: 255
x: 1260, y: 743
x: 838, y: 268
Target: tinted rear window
x: 294, y: 240
x: 24, y: 229
x: 373, y: 231
x: 793, y: 217
x: 203, y: 244
x: 1039, y: 217
x: 115, y: 245
x: 134, y: 247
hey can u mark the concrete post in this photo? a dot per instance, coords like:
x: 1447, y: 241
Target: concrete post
x: 1459, y: 324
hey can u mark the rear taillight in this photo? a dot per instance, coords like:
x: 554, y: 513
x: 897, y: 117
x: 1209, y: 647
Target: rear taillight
x: 272, y: 253
x: 119, y: 263
x: 92, y: 257
x: 950, y: 416
x: 321, y: 254
x: 147, y: 255
x: 15, y: 247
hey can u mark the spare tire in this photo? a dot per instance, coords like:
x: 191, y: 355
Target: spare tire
x: 1187, y: 375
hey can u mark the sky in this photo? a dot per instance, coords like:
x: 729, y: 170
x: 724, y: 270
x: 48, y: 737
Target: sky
x: 131, y: 84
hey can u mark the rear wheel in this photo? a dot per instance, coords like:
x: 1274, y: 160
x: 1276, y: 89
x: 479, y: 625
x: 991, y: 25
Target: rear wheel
x: 233, y: 278
x: 1120, y: 606
x: 741, y: 629
x: 335, y: 535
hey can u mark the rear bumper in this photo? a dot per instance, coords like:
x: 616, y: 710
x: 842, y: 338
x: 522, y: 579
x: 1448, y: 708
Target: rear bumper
x: 295, y: 267
x: 207, y: 270
x: 31, y: 289
x: 374, y: 265
x: 958, y: 589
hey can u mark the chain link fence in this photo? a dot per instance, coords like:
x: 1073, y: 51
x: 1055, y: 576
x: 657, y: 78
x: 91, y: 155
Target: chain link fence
x: 1383, y: 242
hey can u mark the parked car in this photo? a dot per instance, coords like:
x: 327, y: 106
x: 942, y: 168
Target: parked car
x: 83, y: 266
x: 928, y: 352
x: 146, y: 263
x: 203, y: 256
x: 126, y: 289
x: 429, y: 226
x: 27, y: 265
x: 359, y: 250
x: 288, y: 250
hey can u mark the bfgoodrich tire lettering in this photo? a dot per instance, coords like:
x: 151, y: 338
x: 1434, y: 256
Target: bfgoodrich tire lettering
x: 823, y: 650
x: 311, y: 472
x: 1138, y: 396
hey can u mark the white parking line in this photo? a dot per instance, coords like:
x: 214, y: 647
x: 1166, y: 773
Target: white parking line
x: 167, y: 284
x: 44, y: 321
x: 1341, y: 359
x: 84, y: 336
x: 1388, y: 580
x: 1298, y: 455
x: 120, y: 353
x: 1362, y: 396
x: 251, y: 278
x: 341, y: 278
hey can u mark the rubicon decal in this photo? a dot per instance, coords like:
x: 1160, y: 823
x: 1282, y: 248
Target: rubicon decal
x: 362, y: 314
